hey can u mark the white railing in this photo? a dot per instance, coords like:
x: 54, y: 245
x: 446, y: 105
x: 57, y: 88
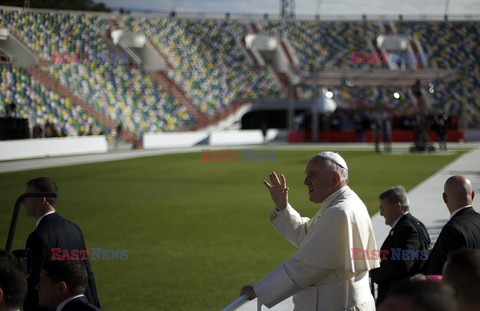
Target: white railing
x: 131, y: 53
x: 239, y: 301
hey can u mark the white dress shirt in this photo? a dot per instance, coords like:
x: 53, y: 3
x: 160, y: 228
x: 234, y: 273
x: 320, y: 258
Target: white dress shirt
x: 43, y: 216
x: 458, y: 210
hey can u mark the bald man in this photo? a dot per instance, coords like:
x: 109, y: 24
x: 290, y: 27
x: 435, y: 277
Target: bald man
x: 335, y: 249
x: 463, y: 228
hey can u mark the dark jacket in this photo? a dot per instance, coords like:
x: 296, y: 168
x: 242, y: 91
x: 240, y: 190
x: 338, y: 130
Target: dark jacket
x: 79, y: 304
x: 397, y: 264
x: 54, y: 231
x: 461, y: 231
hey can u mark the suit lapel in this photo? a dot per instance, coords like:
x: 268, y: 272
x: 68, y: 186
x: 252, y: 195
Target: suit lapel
x: 387, y: 240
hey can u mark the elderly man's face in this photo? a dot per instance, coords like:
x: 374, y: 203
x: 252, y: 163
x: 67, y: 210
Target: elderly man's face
x: 319, y: 180
x: 389, y: 211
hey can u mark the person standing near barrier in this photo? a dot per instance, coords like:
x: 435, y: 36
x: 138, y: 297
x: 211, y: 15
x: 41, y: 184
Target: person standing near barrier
x: 387, y: 132
x: 52, y: 232
x: 441, y: 128
x: 329, y: 270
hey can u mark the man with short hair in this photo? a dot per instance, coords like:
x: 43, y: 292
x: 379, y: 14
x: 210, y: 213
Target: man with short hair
x: 13, y: 282
x: 463, y: 228
x: 462, y: 272
x: 62, y: 286
x: 52, y: 232
x: 323, y: 274
x: 408, y: 238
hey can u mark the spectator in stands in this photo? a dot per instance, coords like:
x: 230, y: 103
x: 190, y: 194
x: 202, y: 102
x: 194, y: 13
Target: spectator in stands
x: 377, y: 132
x: 64, y: 130
x: 441, y: 129
x: 462, y: 272
x: 463, y: 228
x: 420, y: 296
x: 322, y: 274
x: 52, y: 232
x: 264, y: 132
x: 387, y: 132
x: 359, y: 130
x: 50, y: 130
x: 335, y: 121
x: 13, y: 282
x: 118, y: 134
x: 90, y: 129
x: 10, y: 110
x: 420, y: 132
x: 62, y: 285
x: 37, y: 131
x: 407, y: 234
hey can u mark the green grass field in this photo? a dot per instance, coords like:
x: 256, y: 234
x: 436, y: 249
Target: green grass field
x: 195, y: 231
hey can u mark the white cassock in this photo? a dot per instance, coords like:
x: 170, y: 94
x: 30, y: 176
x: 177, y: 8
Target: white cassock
x: 322, y: 274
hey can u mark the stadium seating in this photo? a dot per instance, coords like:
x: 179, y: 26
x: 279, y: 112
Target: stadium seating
x: 454, y: 46
x: 207, y: 59
x: 39, y: 104
x: 209, y: 63
x: 328, y: 44
x: 127, y: 96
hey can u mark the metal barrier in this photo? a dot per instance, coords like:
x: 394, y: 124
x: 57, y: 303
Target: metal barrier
x: 239, y: 301
x: 16, y: 210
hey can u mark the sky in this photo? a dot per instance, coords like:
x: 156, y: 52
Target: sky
x: 306, y: 7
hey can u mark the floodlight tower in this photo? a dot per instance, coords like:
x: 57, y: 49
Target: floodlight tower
x: 287, y: 8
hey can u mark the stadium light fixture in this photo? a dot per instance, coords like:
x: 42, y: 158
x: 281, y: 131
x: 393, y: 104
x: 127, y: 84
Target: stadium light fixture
x: 431, y: 87
x: 347, y: 82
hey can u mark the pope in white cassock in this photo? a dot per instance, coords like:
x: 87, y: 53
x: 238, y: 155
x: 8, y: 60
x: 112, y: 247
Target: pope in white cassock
x: 322, y: 274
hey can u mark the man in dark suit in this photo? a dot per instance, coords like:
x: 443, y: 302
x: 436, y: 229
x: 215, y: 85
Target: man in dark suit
x: 404, y: 249
x: 52, y: 232
x: 463, y: 228
x: 62, y: 284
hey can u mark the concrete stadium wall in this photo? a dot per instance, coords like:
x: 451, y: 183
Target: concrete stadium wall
x: 244, y: 137
x: 50, y: 147
x: 189, y: 139
x: 173, y: 139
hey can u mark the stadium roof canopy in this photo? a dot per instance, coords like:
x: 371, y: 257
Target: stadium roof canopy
x: 375, y: 77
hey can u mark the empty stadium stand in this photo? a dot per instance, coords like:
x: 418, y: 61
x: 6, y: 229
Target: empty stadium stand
x: 82, y: 78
